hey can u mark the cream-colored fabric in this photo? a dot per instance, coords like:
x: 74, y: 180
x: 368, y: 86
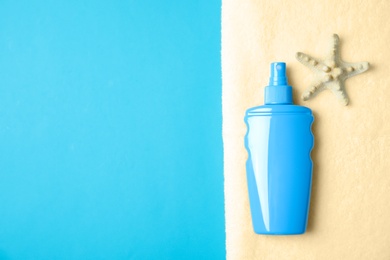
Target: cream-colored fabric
x: 350, y: 204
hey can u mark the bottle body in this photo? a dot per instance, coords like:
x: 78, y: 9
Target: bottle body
x: 279, y: 168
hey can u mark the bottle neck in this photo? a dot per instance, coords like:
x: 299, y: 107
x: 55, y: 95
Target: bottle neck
x: 278, y: 95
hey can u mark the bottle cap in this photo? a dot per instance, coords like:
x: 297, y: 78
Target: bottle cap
x: 278, y: 91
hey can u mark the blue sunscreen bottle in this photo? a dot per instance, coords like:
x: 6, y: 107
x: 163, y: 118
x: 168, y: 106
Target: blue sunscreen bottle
x: 279, y: 168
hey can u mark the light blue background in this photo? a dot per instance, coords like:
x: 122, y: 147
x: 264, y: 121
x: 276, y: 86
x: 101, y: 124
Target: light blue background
x: 110, y: 130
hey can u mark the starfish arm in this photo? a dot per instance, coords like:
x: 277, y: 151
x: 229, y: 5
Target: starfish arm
x: 356, y: 68
x: 312, y: 91
x: 338, y: 89
x: 335, y: 47
x: 309, y: 61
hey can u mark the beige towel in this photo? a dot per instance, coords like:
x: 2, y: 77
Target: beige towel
x: 350, y: 205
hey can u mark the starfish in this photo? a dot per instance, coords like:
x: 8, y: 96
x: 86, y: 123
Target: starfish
x: 331, y: 72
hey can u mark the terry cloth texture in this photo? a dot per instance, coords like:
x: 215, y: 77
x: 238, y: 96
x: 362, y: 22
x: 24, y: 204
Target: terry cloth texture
x: 350, y: 203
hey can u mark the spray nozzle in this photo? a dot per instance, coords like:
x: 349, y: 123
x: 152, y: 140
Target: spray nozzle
x: 278, y: 74
x: 278, y: 91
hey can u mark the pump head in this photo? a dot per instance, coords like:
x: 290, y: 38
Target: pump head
x: 278, y: 91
